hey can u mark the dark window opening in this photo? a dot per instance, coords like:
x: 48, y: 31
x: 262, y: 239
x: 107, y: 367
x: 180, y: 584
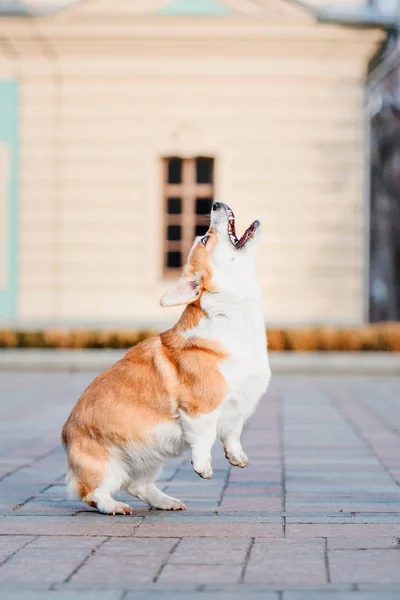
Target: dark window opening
x: 175, y: 170
x: 201, y: 229
x: 203, y: 206
x: 204, y: 170
x: 174, y: 232
x: 174, y: 206
x: 174, y: 260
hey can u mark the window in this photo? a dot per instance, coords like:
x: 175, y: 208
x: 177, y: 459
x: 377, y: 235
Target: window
x: 188, y: 196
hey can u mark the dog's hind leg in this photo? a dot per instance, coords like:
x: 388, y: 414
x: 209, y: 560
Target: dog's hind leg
x: 94, y: 476
x: 105, y: 503
x: 143, y: 487
x: 151, y: 495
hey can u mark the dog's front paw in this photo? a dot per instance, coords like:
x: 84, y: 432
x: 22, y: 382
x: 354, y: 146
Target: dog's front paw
x: 203, y: 470
x: 237, y: 460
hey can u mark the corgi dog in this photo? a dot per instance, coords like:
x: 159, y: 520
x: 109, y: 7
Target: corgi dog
x: 183, y: 389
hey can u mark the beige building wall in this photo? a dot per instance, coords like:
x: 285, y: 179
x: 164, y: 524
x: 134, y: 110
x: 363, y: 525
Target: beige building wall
x: 281, y: 110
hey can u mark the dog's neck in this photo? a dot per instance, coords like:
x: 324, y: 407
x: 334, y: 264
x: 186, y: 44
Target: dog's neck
x: 230, y: 301
x: 223, y: 308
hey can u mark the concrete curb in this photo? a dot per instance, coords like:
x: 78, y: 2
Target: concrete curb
x: 351, y: 363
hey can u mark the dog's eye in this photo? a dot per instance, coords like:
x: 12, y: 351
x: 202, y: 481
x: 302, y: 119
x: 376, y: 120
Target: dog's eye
x: 204, y: 239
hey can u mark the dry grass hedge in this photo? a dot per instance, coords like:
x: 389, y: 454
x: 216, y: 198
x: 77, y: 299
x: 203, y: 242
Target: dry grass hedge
x: 384, y: 337
x: 379, y: 337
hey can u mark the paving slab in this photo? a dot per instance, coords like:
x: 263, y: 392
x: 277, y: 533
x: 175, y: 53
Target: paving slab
x: 60, y: 595
x: 316, y: 514
x: 332, y: 595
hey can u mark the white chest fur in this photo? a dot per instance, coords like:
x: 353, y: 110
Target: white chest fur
x: 239, y: 327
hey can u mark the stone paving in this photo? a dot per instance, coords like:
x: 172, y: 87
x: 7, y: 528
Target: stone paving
x: 315, y: 515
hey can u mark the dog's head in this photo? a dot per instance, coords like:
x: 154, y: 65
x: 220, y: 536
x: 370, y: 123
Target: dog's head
x: 218, y: 262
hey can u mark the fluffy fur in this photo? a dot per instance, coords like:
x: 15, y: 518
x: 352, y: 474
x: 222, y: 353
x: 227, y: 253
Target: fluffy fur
x: 200, y: 380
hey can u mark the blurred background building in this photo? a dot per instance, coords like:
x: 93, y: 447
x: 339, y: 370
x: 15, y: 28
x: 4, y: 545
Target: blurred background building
x: 121, y: 121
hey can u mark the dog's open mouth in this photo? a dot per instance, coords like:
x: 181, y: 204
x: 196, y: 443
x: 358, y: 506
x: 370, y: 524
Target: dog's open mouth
x: 239, y: 243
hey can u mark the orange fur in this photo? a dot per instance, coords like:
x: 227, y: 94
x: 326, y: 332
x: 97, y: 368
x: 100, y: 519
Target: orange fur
x: 199, y: 262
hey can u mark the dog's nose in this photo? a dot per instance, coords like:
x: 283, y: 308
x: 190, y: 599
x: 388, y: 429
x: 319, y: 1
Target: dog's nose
x: 216, y: 205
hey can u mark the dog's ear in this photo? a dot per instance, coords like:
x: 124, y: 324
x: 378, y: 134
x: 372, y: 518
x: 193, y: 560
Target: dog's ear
x: 186, y: 290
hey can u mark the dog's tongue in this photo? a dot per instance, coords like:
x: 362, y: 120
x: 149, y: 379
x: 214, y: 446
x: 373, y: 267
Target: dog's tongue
x: 239, y: 243
x: 247, y: 234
